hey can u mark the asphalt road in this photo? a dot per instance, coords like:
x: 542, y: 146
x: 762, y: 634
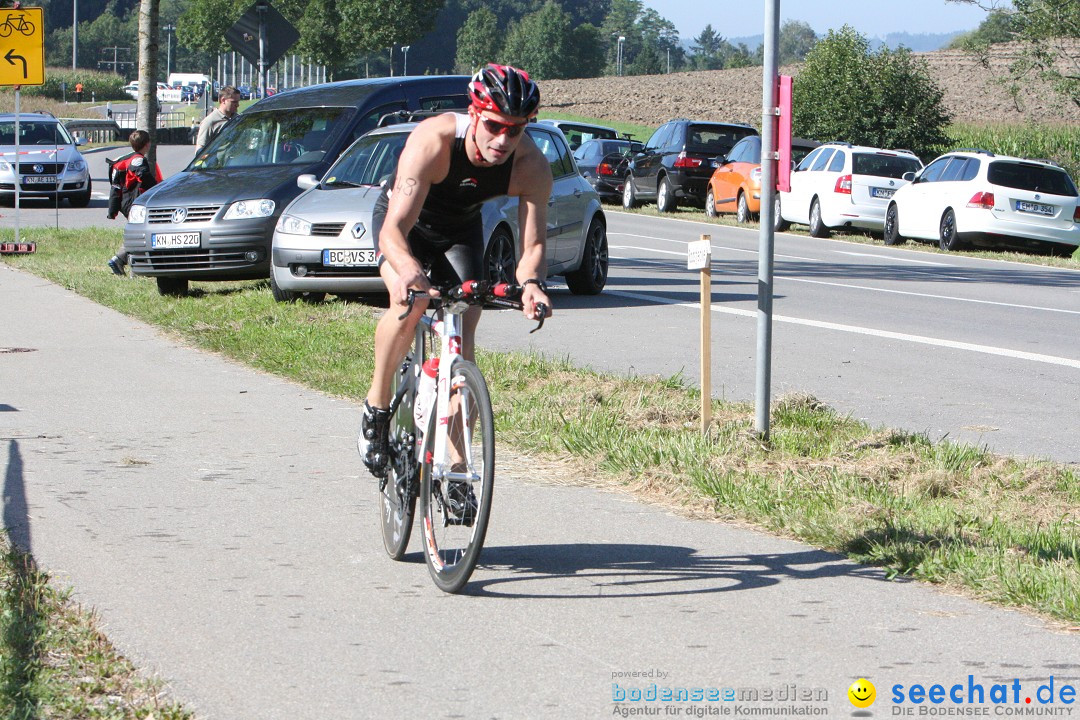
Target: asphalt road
x: 218, y: 521
x: 981, y: 351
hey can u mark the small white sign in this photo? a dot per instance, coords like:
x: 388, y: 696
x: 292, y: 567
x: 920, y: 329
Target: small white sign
x: 698, y: 255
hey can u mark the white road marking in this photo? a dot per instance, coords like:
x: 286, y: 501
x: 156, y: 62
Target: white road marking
x: 788, y: 278
x: 889, y: 335
x: 890, y: 257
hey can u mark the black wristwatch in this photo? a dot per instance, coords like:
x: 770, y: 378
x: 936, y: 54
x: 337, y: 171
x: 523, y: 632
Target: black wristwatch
x: 538, y: 283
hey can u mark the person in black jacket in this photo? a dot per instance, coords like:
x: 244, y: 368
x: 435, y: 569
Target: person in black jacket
x: 129, y: 177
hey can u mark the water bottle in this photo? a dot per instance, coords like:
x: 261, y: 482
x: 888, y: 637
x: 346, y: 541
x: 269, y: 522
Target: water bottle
x: 425, y: 393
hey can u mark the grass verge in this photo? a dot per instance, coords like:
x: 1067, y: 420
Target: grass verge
x: 1001, y: 529
x: 55, y: 663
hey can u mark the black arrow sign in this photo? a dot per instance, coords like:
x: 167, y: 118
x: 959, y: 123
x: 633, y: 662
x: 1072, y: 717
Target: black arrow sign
x: 9, y: 57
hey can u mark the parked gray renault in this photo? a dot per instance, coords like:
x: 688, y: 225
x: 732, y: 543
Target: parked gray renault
x: 215, y: 219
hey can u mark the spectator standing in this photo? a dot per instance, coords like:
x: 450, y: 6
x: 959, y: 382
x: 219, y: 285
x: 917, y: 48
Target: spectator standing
x: 129, y: 177
x: 78, y: 92
x: 219, y: 117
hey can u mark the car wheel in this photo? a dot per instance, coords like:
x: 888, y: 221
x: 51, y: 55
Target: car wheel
x: 591, y: 276
x: 500, y: 265
x: 779, y: 224
x: 172, y: 286
x: 710, y: 204
x: 948, y: 238
x: 743, y: 215
x: 665, y: 197
x: 280, y: 294
x: 629, y: 197
x: 82, y: 199
x: 892, y: 226
x: 817, y: 228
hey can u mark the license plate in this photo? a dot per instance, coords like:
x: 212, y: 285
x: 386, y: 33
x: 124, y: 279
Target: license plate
x: 1037, y: 208
x: 882, y: 192
x: 39, y: 179
x: 175, y: 240
x: 348, y: 258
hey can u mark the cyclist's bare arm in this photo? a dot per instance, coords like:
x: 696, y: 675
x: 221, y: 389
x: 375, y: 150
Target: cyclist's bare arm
x: 424, y: 161
x: 531, y: 182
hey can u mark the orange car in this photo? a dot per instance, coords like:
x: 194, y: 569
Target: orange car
x: 735, y: 186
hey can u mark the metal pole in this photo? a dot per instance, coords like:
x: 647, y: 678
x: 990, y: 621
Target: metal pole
x: 74, y: 35
x: 261, y: 7
x: 762, y: 394
x: 405, y: 68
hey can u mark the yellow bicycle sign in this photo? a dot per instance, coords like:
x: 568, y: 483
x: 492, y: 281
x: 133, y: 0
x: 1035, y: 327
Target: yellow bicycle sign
x: 22, y: 46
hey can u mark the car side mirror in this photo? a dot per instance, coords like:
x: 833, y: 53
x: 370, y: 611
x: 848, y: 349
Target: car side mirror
x: 307, y: 181
x: 718, y: 161
x: 909, y: 176
x: 80, y: 141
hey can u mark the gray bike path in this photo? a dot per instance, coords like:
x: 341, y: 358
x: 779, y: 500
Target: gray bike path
x: 219, y: 521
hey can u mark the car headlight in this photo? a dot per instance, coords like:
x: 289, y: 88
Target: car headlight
x: 5, y: 166
x: 248, y: 209
x: 137, y: 214
x: 293, y: 225
x: 77, y: 165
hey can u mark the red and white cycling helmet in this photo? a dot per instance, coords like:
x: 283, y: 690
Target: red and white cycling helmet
x: 504, y: 89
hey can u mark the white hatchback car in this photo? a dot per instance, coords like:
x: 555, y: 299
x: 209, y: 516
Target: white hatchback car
x: 323, y: 239
x: 843, y: 185
x: 977, y: 197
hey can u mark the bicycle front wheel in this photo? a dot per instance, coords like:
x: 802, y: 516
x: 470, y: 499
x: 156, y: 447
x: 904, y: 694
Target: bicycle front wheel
x: 456, y: 503
x: 397, y: 501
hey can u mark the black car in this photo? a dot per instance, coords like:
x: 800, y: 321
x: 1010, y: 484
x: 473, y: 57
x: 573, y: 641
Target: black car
x: 215, y: 219
x: 676, y: 162
x: 603, y: 163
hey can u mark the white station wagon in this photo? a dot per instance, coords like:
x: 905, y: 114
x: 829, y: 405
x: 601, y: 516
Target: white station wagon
x: 977, y: 197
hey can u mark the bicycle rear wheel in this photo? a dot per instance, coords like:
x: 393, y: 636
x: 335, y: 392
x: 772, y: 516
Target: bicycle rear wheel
x: 455, y: 508
x: 398, y: 491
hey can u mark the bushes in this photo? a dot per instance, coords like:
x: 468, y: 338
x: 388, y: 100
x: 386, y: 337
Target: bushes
x: 883, y: 99
x: 99, y: 86
x: 1060, y: 144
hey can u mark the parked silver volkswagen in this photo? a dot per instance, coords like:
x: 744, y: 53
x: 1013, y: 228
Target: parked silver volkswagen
x: 323, y: 240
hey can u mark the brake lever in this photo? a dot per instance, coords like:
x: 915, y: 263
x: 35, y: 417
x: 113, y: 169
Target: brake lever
x: 412, y: 300
x: 541, y: 310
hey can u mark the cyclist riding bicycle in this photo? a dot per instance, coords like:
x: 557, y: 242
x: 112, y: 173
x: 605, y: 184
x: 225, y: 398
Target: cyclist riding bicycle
x: 428, y: 219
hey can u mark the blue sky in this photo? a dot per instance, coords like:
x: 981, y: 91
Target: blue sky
x: 873, y: 18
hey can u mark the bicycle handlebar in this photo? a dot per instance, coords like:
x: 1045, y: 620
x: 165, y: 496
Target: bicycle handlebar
x: 477, y: 292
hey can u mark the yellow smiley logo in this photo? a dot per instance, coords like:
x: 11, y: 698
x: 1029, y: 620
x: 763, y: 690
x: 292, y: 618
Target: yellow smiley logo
x: 862, y: 693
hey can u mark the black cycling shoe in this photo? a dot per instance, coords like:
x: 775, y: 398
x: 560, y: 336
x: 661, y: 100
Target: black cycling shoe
x: 462, y: 502
x: 373, y: 442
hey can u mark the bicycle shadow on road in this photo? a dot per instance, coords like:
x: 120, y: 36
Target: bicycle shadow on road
x: 637, y: 570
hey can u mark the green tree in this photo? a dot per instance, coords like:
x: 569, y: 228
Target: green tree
x: 661, y: 36
x: 621, y: 21
x: 999, y: 26
x: 1048, y: 31
x: 795, y: 41
x: 477, y: 40
x: 540, y: 43
x: 882, y: 99
x: 705, y: 52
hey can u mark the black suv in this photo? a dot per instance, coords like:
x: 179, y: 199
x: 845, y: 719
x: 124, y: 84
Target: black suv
x: 676, y: 162
x: 215, y: 220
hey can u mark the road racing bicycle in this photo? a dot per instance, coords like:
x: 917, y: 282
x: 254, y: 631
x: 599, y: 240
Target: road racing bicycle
x: 444, y: 453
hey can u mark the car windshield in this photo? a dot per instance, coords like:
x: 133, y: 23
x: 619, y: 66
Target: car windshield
x: 1029, y: 176
x: 273, y: 137
x: 880, y: 165
x: 34, y: 133
x: 368, y: 161
x: 621, y: 147
x: 715, y: 139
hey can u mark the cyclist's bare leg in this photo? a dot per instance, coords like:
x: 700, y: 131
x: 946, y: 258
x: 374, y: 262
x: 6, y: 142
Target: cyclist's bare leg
x: 393, y: 337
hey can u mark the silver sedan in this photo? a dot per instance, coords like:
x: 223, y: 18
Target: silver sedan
x: 323, y: 241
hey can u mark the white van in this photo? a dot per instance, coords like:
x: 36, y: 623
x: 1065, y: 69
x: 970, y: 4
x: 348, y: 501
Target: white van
x: 193, y: 79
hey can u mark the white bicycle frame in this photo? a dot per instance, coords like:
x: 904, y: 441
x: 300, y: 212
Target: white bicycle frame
x: 448, y: 335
